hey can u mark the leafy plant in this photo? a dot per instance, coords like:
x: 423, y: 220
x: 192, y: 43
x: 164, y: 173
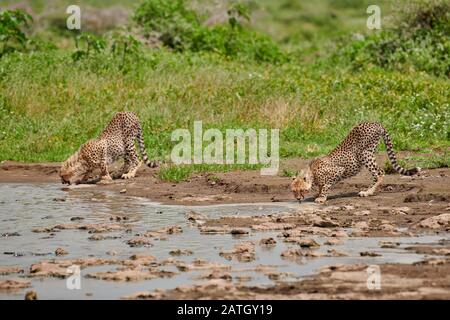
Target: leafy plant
x: 87, y: 44
x: 287, y: 172
x: 125, y: 47
x: 182, y: 29
x: 12, y: 36
x: 419, y: 40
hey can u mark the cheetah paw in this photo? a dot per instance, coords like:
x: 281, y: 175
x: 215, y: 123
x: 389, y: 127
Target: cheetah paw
x: 128, y: 175
x: 365, y: 193
x: 105, y: 179
x: 320, y: 200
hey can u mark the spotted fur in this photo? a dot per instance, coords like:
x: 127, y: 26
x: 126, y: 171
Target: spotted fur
x: 117, y: 140
x: 346, y: 160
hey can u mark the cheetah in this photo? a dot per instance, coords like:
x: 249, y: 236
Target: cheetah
x: 116, y: 140
x: 346, y: 160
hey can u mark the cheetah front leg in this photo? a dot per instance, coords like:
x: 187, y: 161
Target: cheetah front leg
x: 132, y: 160
x: 104, y: 173
x: 377, y: 174
x: 329, y: 177
x: 323, y: 193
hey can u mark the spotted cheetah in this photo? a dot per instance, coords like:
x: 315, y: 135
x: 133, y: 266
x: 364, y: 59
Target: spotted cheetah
x: 116, y: 140
x: 346, y: 160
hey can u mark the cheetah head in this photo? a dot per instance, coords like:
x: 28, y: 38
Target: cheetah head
x: 73, y: 169
x: 301, y: 184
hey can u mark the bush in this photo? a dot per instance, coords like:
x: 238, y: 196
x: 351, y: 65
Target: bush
x: 181, y: 29
x: 12, y: 36
x: 420, y: 41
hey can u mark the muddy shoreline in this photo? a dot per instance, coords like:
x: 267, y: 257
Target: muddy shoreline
x: 405, y: 207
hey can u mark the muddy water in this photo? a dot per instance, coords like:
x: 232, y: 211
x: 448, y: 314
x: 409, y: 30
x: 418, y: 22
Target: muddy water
x: 24, y: 207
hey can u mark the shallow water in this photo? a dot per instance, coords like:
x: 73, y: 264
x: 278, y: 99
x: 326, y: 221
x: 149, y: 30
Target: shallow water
x: 24, y: 207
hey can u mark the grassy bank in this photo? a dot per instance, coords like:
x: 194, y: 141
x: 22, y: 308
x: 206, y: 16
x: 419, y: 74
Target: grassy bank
x: 51, y: 103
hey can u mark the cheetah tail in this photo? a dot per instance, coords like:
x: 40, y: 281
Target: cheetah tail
x: 393, y: 159
x: 141, y: 144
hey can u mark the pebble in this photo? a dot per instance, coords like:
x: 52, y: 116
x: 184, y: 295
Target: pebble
x: 31, y: 295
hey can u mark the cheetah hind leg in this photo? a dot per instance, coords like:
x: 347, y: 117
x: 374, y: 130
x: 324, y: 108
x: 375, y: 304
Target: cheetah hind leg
x: 377, y: 174
x: 132, y: 159
x: 132, y: 172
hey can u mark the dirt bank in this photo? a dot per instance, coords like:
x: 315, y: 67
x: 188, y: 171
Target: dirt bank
x: 249, y: 186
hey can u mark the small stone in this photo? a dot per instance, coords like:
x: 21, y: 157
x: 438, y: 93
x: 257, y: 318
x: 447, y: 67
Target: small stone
x: 243, y: 252
x: 369, y: 254
x: 332, y: 242
x: 14, y: 284
x: 388, y: 244
x: 8, y: 270
x: 363, y: 225
x: 362, y: 213
x: 139, y: 242
x: 267, y: 242
x: 96, y: 237
x: 335, y: 253
x: 123, y: 191
x: 239, y: 231
x: 195, y: 217
x: 179, y: 252
x: 307, y: 243
x: 436, y: 222
x: 292, y: 253
x: 442, y: 251
x: 10, y: 234
x: 324, y: 223
x: 60, y: 252
x: 31, y: 295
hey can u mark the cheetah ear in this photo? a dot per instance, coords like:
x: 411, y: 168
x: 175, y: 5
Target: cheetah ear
x: 294, y: 177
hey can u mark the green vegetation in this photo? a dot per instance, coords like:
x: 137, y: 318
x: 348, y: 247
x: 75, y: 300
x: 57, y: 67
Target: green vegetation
x: 183, y: 172
x: 183, y: 29
x: 419, y: 41
x: 289, y: 172
x: 12, y: 37
x: 431, y: 162
x: 262, y: 64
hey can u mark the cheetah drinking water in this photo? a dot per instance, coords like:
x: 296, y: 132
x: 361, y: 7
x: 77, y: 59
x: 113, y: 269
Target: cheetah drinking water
x: 346, y: 160
x: 116, y: 140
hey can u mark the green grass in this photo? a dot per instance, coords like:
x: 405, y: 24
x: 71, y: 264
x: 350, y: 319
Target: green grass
x: 51, y: 104
x: 179, y: 173
x: 289, y: 172
x: 429, y: 161
x: 432, y: 162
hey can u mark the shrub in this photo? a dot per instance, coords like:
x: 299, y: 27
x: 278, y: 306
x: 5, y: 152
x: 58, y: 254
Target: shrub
x: 86, y: 44
x: 181, y: 29
x: 12, y: 36
x: 419, y: 40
